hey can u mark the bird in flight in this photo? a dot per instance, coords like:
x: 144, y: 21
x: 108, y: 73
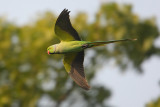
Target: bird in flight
x: 73, y: 48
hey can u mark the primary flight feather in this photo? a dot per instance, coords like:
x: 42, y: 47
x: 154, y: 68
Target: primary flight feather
x: 73, y: 48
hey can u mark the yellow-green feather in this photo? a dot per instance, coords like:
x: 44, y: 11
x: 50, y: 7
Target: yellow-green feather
x: 67, y: 61
x: 63, y: 35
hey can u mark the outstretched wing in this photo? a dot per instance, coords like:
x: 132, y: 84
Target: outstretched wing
x: 64, y: 29
x: 73, y: 63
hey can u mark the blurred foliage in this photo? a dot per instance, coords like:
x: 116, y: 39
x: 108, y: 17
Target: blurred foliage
x: 154, y: 103
x: 28, y: 74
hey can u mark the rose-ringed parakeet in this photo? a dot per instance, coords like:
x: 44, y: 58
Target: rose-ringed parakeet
x: 73, y: 48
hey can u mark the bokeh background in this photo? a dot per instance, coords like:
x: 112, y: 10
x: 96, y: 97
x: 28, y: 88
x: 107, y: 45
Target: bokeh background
x: 121, y: 75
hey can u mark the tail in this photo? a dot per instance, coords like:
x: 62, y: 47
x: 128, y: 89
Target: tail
x: 94, y: 44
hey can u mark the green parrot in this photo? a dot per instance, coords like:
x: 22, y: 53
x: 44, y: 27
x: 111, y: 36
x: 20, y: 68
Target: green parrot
x: 73, y: 48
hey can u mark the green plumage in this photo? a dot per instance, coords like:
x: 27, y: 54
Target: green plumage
x: 77, y: 46
x: 73, y: 48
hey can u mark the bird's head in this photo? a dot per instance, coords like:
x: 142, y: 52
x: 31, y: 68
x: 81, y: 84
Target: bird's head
x: 51, y: 49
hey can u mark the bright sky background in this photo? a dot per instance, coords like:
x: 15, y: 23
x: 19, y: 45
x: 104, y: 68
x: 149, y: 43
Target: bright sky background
x: 128, y: 89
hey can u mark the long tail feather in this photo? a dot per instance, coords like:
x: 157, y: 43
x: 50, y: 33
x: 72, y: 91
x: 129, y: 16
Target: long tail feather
x: 100, y: 43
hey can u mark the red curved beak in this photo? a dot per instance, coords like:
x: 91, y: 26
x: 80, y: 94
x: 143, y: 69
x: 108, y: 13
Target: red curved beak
x: 48, y: 52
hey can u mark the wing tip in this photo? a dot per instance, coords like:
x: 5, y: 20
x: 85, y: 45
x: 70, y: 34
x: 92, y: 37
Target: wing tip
x: 87, y: 87
x: 82, y: 82
x: 66, y: 11
x: 84, y: 86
